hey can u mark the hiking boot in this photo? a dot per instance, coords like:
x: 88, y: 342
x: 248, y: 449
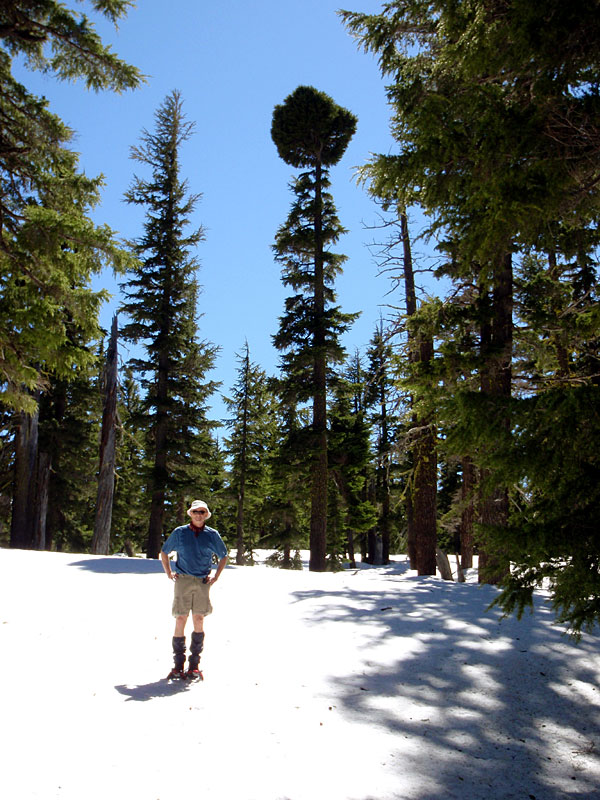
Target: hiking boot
x: 176, y: 674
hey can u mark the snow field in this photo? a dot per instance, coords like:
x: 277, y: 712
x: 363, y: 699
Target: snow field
x: 363, y: 685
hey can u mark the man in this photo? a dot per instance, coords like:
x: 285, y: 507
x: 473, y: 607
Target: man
x: 195, y: 545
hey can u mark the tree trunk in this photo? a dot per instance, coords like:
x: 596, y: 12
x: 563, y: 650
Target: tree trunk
x: 239, y: 523
x: 562, y: 355
x: 351, y: 554
x: 318, y: 515
x: 41, y: 508
x: 25, y: 482
x: 160, y: 474
x: 443, y: 565
x: 385, y: 488
x: 423, y: 497
x: 467, y: 493
x: 411, y: 544
x: 496, y: 382
x: 108, y: 438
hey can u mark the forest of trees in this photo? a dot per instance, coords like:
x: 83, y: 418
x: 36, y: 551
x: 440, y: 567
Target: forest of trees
x: 469, y: 424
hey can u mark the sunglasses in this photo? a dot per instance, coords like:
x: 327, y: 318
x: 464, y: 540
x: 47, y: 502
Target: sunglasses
x: 199, y: 511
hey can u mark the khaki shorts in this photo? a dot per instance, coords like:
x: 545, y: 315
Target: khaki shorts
x: 191, y: 594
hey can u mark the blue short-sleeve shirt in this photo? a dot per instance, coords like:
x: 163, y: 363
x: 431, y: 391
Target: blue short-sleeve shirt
x: 195, y: 550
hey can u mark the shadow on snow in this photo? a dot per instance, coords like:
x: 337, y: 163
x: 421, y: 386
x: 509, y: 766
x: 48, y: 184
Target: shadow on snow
x: 151, y: 691
x: 119, y: 565
x: 490, y: 696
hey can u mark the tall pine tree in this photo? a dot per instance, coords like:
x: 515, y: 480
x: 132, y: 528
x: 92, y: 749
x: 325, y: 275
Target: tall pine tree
x: 161, y: 305
x: 312, y: 132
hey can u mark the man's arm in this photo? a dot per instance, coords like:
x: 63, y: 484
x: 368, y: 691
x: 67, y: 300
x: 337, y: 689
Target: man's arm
x: 164, y: 557
x: 220, y: 567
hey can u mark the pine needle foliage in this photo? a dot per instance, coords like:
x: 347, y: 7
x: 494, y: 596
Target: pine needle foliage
x: 312, y: 132
x: 495, y: 109
x: 161, y: 305
x: 50, y: 248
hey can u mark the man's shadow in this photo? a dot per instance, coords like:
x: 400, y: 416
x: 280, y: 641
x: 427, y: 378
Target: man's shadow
x: 150, y: 691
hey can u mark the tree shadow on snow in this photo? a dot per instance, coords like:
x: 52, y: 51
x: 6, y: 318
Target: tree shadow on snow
x: 151, y: 691
x: 490, y: 697
x: 119, y: 565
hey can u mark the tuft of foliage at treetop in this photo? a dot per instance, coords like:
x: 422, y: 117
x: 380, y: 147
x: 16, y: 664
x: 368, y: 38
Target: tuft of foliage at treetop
x: 312, y: 132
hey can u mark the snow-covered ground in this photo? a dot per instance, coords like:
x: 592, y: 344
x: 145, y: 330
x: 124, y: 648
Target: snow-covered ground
x: 362, y: 685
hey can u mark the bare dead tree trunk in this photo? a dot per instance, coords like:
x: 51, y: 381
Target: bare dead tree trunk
x: 108, y: 438
x: 443, y: 564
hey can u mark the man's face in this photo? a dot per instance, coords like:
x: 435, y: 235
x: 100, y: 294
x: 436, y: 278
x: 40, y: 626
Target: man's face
x: 197, y: 516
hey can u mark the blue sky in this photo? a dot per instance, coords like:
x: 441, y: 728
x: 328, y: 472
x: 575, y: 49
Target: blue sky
x: 233, y: 61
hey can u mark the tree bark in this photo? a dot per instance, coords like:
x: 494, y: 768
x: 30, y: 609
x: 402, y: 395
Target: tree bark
x: 443, y: 565
x: 25, y: 482
x: 318, y: 515
x: 40, y: 510
x: 496, y: 382
x: 239, y: 524
x: 108, y: 438
x: 422, y: 516
x: 424, y: 497
x: 467, y: 493
x: 385, y: 488
x: 160, y: 475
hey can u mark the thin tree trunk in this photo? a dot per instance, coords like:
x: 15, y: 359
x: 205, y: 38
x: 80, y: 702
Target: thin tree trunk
x: 41, y: 508
x: 562, y: 355
x: 467, y: 493
x: 422, y: 517
x: 108, y: 438
x: 443, y: 564
x: 239, y: 557
x: 318, y: 516
x: 411, y: 544
x: 424, y: 497
x: 385, y: 488
x: 160, y: 474
x: 351, y: 554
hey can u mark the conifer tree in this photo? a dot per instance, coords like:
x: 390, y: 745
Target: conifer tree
x: 349, y: 456
x: 499, y: 142
x: 160, y: 302
x: 131, y: 498
x: 69, y: 416
x: 50, y: 247
x: 250, y: 441
x: 378, y: 399
x: 311, y: 132
x: 288, y: 505
x: 108, y: 447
